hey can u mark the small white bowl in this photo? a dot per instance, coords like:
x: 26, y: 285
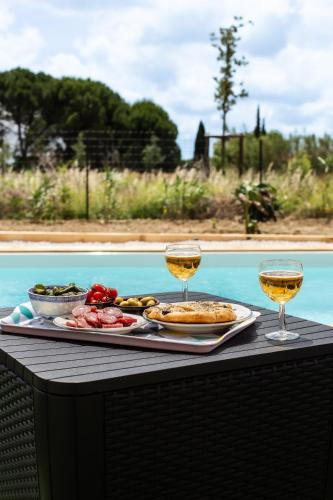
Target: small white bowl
x: 51, y: 306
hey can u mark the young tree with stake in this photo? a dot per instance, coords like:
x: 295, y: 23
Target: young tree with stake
x: 228, y: 91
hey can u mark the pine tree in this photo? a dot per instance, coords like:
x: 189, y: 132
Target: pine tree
x: 199, y: 145
x: 263, y: 128
x: 257, y: 129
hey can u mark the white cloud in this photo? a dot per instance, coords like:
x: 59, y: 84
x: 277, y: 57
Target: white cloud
x: 161, y: 50
x: 6, y: 17
x: 69, y: 64
x: 19, y: 48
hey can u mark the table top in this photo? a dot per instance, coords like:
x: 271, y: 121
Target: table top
x: 73, y: 368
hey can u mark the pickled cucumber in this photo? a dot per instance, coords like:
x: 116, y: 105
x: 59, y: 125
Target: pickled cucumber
x: 70, y: 289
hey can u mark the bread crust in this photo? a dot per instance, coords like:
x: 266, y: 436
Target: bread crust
x: 192, y: 312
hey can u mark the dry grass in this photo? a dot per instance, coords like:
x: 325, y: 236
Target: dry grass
x: 183, y: 194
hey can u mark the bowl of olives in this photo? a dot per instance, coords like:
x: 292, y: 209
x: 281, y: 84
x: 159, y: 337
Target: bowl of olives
x: 135, y: 304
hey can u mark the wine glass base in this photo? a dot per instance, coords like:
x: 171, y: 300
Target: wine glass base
x: 282, y: 336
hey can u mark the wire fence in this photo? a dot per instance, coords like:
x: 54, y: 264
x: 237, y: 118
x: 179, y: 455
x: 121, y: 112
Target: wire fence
x: 99, y: 148
x: 90, y: 151
x: 104, y: 152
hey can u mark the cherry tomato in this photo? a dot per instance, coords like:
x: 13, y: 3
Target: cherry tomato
x: 98, y: 295
x: 112, y: 293
x: 105, y: 298
x: 90, y: 295
x: 98, y: 288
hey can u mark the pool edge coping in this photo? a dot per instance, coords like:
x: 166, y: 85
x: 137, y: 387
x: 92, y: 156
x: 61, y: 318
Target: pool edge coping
x: 121, y: 237
x: 139, y: 249
x: 293, y: 243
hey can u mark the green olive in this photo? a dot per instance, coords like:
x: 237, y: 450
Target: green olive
x: 140, y: 303
x: 145, y: 300
x: 132, y: 302
x: 118, y: 300
x: 124, y: 303
x: 150, y: 303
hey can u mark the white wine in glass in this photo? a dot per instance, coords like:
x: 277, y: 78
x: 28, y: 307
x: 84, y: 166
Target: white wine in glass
x: 183, y: 261
x: 281, y: 280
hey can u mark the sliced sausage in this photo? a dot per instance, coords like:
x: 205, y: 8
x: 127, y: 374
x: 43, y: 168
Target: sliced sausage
x: 104, y: 317
x: 81, y: 322
x: 80, y: 310
x: 114, y: 311
x: 91, y: 318
x: 72, y: 323
x: 127, y: 320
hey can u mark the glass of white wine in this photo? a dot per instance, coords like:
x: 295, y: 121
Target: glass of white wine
x: 183, y: 261
x: 281, y: 280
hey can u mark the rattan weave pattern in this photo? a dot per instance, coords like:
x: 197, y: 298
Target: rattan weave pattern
x: 182, y: 439
x: 18, y: 468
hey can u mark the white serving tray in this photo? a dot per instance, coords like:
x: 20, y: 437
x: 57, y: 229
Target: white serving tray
x: 151, y: 336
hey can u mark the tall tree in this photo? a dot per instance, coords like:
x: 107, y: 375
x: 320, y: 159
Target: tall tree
x: 263, y: 127
x: 199, y: 145
x: 147, y: 119
x: 257, y: 128
x: 91, y: 107
x: 25, y: 99
x: 258, y: 132
x: 48, y: 111
x: 228, y: 91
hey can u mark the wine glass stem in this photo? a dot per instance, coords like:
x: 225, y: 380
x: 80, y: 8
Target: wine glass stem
x: 185, y: 291
x: 282, y: 318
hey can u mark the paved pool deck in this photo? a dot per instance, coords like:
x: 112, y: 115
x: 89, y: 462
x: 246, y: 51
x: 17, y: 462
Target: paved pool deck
x: 158, y: 246
x: 61, y: 241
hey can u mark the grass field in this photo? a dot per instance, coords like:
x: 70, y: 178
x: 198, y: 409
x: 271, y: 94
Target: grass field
x: 59, y: 194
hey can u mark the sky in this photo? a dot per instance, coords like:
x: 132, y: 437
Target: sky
x: 161, y: 50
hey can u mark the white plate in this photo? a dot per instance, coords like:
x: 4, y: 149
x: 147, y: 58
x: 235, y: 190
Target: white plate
x: 242, y: 314
x: 61, y: 321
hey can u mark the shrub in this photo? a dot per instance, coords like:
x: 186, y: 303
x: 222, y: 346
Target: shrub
x: 259, y: 204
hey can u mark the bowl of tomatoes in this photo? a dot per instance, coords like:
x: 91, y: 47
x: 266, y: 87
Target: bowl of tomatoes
x: 101, y: 296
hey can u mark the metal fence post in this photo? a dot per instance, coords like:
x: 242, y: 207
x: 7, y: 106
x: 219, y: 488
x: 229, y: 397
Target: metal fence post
x: 261, y: 161
x: 87, y: 190
x: 241, y: 155
x: 206, y: 156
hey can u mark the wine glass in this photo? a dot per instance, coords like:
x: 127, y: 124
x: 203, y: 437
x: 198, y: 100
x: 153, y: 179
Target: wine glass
x: 183, y: 261
x: 281, y: 280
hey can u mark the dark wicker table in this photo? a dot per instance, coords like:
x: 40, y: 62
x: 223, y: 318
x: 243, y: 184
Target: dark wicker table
x: 249, y: 421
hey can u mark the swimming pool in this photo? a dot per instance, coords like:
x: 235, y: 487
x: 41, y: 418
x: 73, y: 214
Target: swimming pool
x: 233, y: 275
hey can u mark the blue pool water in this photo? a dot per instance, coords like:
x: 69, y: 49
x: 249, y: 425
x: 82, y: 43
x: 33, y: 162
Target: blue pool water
x: 233, y: 275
